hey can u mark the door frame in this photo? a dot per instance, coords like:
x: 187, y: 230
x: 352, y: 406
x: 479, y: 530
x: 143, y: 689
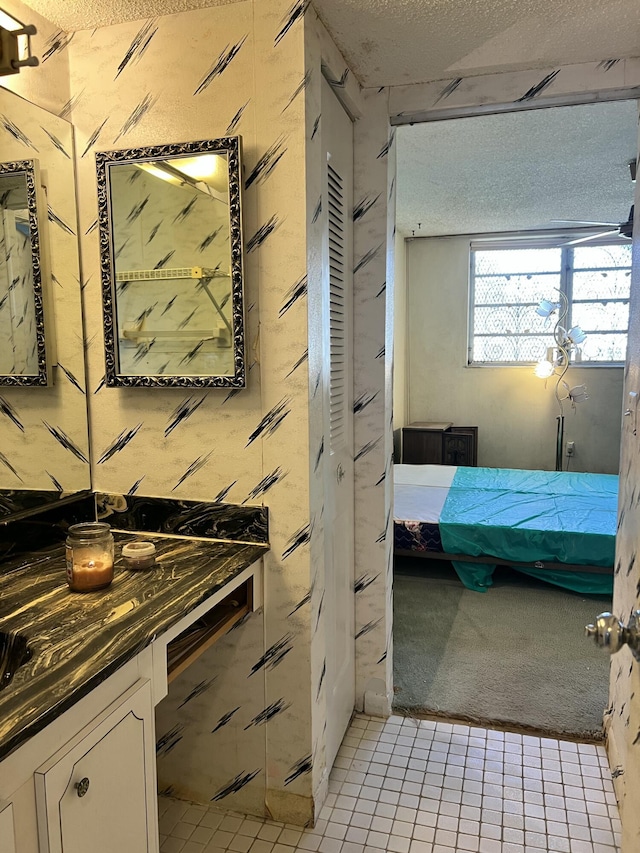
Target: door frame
x: 488, y: 94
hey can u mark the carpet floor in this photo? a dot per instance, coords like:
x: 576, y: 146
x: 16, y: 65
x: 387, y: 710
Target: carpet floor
x: 514, y: 656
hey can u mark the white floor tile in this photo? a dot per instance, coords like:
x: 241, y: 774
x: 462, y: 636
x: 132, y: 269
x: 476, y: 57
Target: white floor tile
x: 425, y: 786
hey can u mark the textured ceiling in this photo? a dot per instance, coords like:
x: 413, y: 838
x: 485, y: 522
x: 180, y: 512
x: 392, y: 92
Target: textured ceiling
x: 71, y: 15
x: 516, y: 171
x: 389, y: 42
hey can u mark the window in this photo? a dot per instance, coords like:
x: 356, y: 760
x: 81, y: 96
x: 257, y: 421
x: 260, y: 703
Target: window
x: 509, y: 278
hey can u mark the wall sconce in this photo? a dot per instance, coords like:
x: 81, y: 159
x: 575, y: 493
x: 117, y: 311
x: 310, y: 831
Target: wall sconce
x: 557, y: 362
x: 15, y: 44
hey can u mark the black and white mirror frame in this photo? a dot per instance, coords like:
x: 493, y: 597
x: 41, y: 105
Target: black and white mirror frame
x: 229, y: 146
x: 43, y: 322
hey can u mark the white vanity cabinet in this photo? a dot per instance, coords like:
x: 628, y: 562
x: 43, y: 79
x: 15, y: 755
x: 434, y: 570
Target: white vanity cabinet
x: 7, y: 834
x: 86, y: 783
x: 98, y: 791
x: 108, y: 739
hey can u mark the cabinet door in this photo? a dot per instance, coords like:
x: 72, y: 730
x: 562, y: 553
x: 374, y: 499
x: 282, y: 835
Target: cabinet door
x: 98, y: 792
x: 421, y: 446
x: 460, y: 446
x: 7, y: 837
x: 456, y: 450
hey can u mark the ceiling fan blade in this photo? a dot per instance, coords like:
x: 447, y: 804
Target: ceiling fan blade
x: 590, y: 237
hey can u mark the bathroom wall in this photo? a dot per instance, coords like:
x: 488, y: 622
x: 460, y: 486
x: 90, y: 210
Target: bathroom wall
x: 374, y: 221
x: 244, y: 714
x: 245, y: 73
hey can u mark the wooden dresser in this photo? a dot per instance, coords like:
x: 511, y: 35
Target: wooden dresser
x: 439, y: 443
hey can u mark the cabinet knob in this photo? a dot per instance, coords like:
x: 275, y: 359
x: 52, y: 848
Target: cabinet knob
x: 82, y: 786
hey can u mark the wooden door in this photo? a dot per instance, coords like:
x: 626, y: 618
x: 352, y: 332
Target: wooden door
x: 623, y: 723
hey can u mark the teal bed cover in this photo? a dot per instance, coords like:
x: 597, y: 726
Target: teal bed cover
x: 528, y: 517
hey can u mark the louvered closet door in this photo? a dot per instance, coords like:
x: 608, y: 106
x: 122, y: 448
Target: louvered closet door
x: 337, y: 207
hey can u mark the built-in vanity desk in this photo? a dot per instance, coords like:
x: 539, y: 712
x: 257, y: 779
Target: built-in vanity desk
x: 77, y: 734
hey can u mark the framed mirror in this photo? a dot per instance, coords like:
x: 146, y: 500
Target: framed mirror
x: 24, y: 347
x: 171, y: 265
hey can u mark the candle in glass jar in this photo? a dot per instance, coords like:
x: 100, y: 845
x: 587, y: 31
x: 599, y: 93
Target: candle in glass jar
x: 92, y: 574
x: 89, y: 556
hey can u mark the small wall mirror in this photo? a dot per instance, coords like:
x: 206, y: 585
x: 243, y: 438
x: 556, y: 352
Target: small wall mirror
x: 23, y: 344
x: 171, y: 261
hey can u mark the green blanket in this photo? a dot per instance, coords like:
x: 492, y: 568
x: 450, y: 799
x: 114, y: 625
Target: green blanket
x: 532, y: 516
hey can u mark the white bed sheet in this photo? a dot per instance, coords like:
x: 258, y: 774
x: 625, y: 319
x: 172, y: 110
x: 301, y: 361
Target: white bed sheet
x: 420, y: 491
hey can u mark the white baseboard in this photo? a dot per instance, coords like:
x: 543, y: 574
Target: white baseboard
x: 286, y: 807
x: 377, y: 700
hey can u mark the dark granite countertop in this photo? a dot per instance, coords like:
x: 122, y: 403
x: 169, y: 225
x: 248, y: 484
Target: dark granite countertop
x: 78, y: 639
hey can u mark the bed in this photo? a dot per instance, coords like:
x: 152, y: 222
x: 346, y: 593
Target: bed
x: 558, y: 526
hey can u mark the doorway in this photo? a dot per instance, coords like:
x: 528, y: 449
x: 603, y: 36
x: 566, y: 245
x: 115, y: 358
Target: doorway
x: 472, y: 179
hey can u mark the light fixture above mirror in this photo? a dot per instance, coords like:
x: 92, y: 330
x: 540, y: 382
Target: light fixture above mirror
x: 15, y: 44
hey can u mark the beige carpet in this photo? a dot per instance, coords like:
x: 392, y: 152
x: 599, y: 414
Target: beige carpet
x: 514, y: 656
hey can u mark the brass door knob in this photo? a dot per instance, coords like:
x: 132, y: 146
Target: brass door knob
x: 82, y: 787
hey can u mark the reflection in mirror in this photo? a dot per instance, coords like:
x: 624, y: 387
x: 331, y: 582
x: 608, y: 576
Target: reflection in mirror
x: 23, y: 354
x: 171, y: 256
x: 44, y: 441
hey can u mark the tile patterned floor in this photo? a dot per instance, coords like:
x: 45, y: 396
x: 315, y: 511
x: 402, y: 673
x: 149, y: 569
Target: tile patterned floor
x: 419, y: 786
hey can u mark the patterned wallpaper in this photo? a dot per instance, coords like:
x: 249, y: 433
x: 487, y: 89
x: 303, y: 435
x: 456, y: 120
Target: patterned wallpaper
x: 43, y: 431
x: 622, y: 717
x: 515, y: 90
x: 250, y: 716
x: 374, y: 214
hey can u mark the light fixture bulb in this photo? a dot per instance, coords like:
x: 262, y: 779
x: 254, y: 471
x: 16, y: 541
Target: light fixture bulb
x: 576, y: 335
x: 159, y: 173
x: 9, y: 22
x: 546, y: 307
x: 211, y: 169
x: 578, y: 394
x: 544, y: 369
x: 15, y: 44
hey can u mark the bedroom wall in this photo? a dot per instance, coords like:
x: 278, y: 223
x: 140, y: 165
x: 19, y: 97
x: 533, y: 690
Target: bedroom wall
x: 515, y: 412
